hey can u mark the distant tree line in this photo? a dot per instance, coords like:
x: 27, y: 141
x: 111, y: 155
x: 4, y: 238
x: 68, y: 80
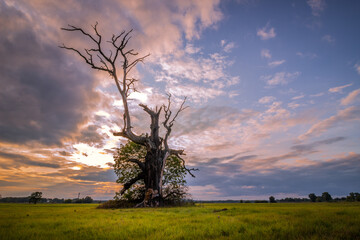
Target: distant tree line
x: 86, y: 199
x: 36, y: 197
x: 288, y: 199
x: 353, y: 197
x: 325, y: 197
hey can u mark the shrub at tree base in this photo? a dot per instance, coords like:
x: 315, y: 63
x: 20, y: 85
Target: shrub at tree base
x: 117, y: 204
x: 128, y: 204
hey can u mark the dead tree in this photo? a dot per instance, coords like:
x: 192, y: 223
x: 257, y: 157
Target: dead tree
x: 118, y: 61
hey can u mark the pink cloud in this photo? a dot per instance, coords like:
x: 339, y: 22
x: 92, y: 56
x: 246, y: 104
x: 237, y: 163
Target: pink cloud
x: 280, y: 78
x: 348, y: 114
x: 351, y: 97
x: 317, y: 6
x: 276, y: 63
x: 265, y: 53
x: 339, y: 88
x: 266, y: 32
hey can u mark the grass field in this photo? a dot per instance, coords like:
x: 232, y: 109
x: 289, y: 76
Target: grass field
x: 240, y: 221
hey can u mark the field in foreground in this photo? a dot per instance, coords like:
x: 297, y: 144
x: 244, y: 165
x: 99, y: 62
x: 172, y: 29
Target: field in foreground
x: 240, y: 221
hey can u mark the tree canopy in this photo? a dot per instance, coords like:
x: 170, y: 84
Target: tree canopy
x: 35, y: 197
x: 129, y: 157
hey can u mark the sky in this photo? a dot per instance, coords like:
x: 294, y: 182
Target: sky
x: 273, y: 89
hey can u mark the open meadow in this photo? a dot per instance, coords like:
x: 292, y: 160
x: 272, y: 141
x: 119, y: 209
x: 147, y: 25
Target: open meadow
x: 203, y: 221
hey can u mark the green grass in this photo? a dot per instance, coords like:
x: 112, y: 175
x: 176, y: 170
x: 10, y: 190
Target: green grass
x: 240, y: 221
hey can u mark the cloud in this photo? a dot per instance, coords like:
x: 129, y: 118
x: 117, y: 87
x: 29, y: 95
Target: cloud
x: 212, y: 129
x: 197, y: 94
x: 198, y: 120
x: 276, y: 63
x: 280, y: 78
x: 46, y: 94
x: 328, y: 38
x: 309, y: 148
x: 351, y: 97
x: 339, y: 88
x: 57, y: 89
x: 265, y: 53
x: 233, y: 94
x: 298, y: 97
x: 227, y: 47
x: 209, y: 69
x: 200, y: 78
x: 191, y: 49
x: 266, y: 32
x: 317, y: 6
x: 96, y: 175
x: 266, y: 99
x: 181, y: 19
x: 357, y: 68
x: 330, y: 175
x: 293, y: 105
x: 306, y: 55
x: 207, y: 12
x: 91, y: 136
x: 348, y: 114
x: 63, y: 102
x: 11, y: 160
x: 53, y: 100
x: 219, y: 130
x: 317, y: 94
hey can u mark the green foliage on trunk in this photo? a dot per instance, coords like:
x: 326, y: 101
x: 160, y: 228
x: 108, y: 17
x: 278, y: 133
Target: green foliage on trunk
x: 173, y: 182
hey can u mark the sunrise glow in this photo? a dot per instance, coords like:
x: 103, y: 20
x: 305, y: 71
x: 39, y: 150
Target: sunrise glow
x: 273, y: 89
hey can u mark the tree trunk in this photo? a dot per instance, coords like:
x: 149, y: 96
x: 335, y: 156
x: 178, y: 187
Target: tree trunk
x: 153, y: 195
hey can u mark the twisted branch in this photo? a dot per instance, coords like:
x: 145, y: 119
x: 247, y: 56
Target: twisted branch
x: 108, y: 64
x: 168, y: 124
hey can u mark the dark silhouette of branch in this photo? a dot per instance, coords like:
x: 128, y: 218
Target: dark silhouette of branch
x: 138, y: 162
x: 108, y: 64
x: 168, y: 124
x: 131, y: 182
x: 177, y: 153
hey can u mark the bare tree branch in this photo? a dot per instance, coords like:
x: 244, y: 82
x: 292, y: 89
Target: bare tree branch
x: 168, y: 124
x: 107, y: 63
x: 177, y: 153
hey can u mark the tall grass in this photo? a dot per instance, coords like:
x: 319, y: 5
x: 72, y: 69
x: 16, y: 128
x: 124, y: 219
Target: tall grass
x: 239, y: 221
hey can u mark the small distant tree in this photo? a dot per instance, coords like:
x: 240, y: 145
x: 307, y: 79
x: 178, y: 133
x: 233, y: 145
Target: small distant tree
x: 87, y: 199
x: 357, y: 197
x: 353, y: 197
x: 326, y: 197
x: 35, y: 197
x: 312, y: 197
x: 272, y: 199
